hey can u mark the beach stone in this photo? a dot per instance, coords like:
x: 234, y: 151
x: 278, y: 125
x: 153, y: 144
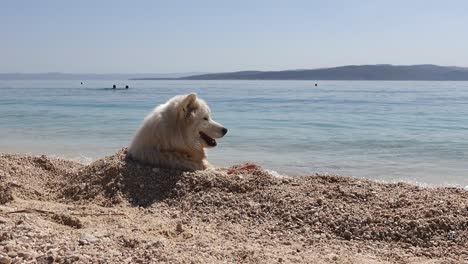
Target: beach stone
x: 347, y: 235
x: 25, y: 255
x: 6, y: 194
x: 44, y: 259
x: 179, y: 227
x: 320, y: 201
x: 12, y: 254
x: 87, y: 239
x: 5, y: 236
x: 44, y: 162
x: 451, y: 235
x: 5, y: 260
x: 159, y: 243
x: 413, y: 223
x: 72, y: 256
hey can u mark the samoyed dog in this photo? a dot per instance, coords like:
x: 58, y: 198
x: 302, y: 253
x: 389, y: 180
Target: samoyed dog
x: 175, y: 134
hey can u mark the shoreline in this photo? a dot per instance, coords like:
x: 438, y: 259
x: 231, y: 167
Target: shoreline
x: 279, y: 172
x: 117, y: 210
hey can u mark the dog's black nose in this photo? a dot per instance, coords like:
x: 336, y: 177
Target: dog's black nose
x: 224, y: 130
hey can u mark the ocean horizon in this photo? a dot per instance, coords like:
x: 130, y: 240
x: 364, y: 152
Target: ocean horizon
x: 410, y: 131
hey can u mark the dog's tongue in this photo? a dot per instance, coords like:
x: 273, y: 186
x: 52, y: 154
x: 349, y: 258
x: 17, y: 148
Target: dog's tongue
x: 209, y: 140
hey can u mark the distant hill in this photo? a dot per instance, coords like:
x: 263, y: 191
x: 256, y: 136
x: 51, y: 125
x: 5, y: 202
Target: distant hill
x: 384, y: 72
x: 353, y: 72
x: 425, y: 72
x: 77, y: 76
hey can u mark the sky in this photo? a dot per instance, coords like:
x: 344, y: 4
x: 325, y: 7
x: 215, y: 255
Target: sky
x: 100, y: 36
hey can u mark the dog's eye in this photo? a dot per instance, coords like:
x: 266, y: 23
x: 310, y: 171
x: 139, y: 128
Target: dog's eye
x: 206, y: 118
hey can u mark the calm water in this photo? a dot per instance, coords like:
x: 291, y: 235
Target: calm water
x: 391, y: 131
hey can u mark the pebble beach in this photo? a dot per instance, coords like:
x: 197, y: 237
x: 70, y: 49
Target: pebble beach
x: 117, y: 211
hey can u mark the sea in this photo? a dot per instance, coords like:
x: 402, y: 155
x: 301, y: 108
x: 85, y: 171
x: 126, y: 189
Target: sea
x: 389, y: 131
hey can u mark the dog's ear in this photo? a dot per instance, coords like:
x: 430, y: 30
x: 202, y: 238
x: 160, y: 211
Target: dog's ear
x: 188, y: 104
x: 189, y: 98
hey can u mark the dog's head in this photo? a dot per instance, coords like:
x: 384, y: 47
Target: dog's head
x: 196, y: 117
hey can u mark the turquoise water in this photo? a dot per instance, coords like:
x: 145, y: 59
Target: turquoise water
x: 390, y: 131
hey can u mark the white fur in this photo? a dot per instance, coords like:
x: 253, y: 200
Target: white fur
x: 170, y: 135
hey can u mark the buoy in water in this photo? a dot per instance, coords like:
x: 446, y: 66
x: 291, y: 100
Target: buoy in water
x: 126, y: 86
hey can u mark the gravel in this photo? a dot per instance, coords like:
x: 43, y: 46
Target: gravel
x: 115, y: 210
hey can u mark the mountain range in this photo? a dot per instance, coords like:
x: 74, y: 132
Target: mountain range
x: 424, y: 72
x: 352, y: 72
x: 380, y: 72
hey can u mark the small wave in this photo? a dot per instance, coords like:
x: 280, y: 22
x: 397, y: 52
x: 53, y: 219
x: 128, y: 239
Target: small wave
x: 417, y: 183
x: 275, y: 174
x: 85, y: 160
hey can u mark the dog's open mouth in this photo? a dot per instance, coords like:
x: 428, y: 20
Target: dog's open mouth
x: 209, y: 140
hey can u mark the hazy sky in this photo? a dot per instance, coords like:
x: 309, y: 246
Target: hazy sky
x: 212, y: 36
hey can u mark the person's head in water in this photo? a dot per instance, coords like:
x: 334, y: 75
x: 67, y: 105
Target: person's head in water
x: 113, y: 86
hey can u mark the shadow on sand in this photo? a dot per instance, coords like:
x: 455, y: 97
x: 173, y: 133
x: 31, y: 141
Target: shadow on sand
x: 116, y: 177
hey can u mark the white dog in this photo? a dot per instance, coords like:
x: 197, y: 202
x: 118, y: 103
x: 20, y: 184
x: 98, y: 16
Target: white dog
x: 176, y: 133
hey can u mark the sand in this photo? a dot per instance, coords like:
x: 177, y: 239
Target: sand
x: 118, y: 211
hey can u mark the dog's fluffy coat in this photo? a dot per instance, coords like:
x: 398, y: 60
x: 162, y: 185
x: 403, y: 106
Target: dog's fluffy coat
x: 176, y: 133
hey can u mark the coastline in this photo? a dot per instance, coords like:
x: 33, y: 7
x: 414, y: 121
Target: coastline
x: 120, y: 211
